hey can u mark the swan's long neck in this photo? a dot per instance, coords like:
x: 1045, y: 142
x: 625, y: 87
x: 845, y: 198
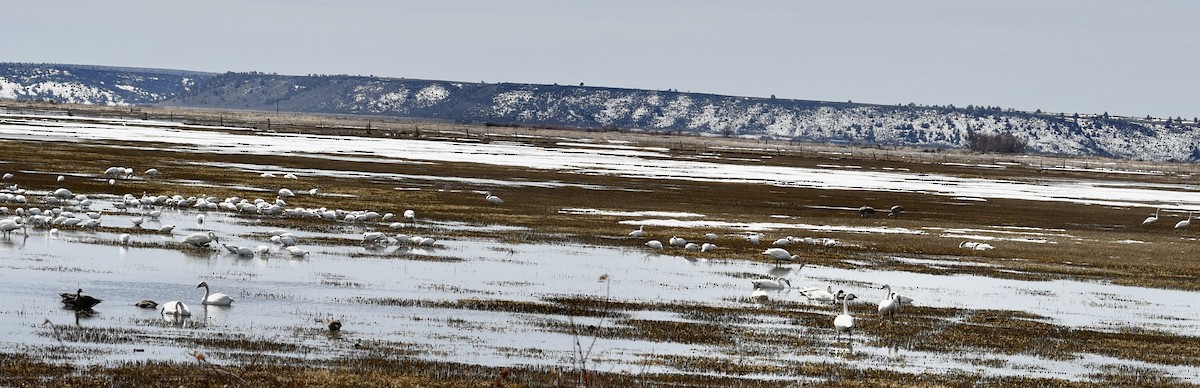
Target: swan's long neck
x: 205, y: 294
x: 889, y: 290
x: 845, y: 306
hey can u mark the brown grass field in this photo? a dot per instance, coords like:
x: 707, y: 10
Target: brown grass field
x: 1167, y: 259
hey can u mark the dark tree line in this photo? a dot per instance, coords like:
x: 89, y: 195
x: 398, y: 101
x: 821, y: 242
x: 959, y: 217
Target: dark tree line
x: 1006, y: 143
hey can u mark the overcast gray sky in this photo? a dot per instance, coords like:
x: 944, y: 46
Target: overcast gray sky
x: 1090, y: 56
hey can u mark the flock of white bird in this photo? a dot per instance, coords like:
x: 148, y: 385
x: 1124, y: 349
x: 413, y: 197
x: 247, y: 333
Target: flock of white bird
x: 66, y: 209
x: 889, y: 306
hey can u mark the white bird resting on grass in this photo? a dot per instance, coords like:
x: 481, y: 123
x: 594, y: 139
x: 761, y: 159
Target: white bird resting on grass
x: 492, y: 199
x: 976, y: 246
x: 641, y: 231
x: 1152, y: 218
x: 655, y: 244
x: 1185, y: 223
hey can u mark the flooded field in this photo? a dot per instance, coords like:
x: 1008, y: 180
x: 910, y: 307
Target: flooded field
x: 1020, y: 273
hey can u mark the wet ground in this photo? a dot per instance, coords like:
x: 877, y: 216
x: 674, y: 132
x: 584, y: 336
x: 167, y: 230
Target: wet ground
x: 487, y: 294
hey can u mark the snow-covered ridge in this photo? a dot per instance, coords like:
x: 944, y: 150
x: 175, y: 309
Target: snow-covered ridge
x: 612, y: 108
x: 91, y: 84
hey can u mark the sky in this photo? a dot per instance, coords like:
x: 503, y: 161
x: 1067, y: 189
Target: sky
x: 1132, y: 58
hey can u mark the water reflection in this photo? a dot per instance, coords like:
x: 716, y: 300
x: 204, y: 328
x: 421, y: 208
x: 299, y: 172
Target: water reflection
x: 781, y: 272
x: 216, y: 314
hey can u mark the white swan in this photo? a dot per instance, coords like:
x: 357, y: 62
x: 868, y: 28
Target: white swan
x: 845, y: 321
x: 691, y: 247
x: 286, y: 239
x: 711, y: 236
x: 175, y: 308
x: 639, y: 232
x: 976, y: 246
x: 902, y: 299
x: 708, y: 247
x: 200, y: 239
x: 410, y: 215
x: 216, y: 299
x: 125, y: 238
x: 296, y: 251
x: 231, y: 248
x: 373, y: 237
x: 492, y: 199
x: 654, y: 244
x: 285, y: 192
x: 677, y: 241
x: 815, y: 294
x: 888, y: 307
x: 780, y: 254
x: 774, y: 284
x: 8, y: 225
x: 1152, y: 219
x: 63, y: 193
x: 1185, y: 223
x: 754, y: 238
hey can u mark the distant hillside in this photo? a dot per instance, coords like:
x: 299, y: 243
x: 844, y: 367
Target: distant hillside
x: 98, y: 85
x: 612, y: 108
